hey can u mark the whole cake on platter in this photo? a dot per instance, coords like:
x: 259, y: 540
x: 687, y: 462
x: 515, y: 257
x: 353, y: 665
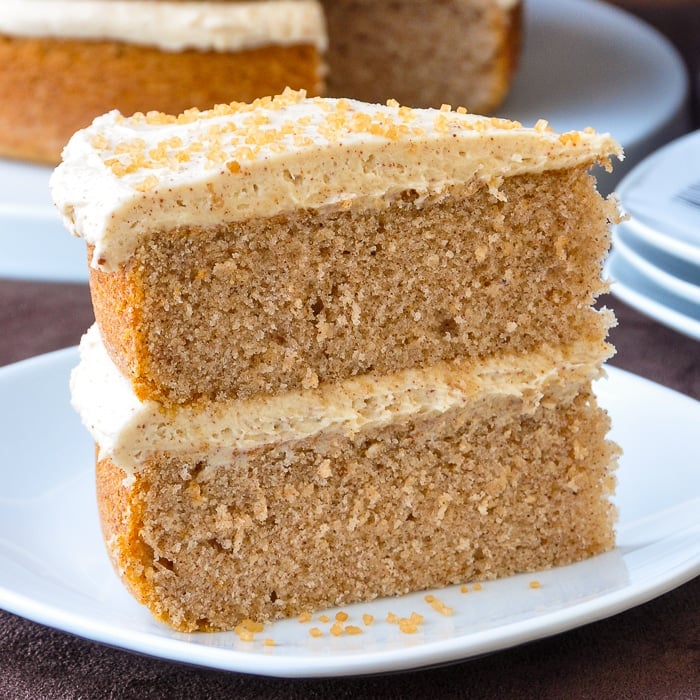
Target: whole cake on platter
x: 342, y: 350
x: 64, y: 62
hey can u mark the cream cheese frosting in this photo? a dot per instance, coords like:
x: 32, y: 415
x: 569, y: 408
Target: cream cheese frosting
x: 122, y: 178
x: 129, y: 430
x: 171, y: 26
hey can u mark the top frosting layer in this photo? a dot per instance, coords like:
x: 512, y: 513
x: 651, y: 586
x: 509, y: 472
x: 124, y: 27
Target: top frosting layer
x: 171, y: 26
x: 123, y: 178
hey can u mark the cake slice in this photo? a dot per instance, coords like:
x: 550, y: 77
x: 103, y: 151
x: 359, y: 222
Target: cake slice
x: 342, y: 351
x: 67, y: 61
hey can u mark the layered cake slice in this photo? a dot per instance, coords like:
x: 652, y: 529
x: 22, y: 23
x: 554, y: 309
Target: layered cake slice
x: 342, y: 351
x: 65, y: 62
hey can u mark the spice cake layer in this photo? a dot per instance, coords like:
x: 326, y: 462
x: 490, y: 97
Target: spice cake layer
x: 264, y: 248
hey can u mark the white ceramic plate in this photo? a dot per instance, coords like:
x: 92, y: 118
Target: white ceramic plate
x: 685, y: 252
x: 584, y: 64
x: 667, y: 271
x: 641, y: 292
x: 662, y: 195
x: 53, y: 568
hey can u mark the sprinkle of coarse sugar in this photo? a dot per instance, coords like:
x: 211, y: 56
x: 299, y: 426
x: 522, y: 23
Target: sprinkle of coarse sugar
x: 244, y: 635
x: 441, y: 123
x: 323, y: 104
x: 305, y: 617
x: 337, y: 629
x: 99, y: 142
x: 438, y: 605
x: 269, y: 642
x: 542, y: 125
x: 147, y: 184
x: 367, y: 619
x: 353, y: 629
x: 247, y: 629
x: 477, y: 587
x: 411, y: 625
x: 116, y: 166
x: 154, y: 118
x: 570, y: 138
x: 499, y: 123
x: 392, y: 618
x: 407, y: 114
x: 534, y: 584
x: 300, y: 140
x: 230, y: 144
x: 315, y: 632
x: 464, y: 588
x: 324, y: 618
x: 342, y: 616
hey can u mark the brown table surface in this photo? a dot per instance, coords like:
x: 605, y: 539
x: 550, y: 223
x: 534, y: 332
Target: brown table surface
x: 651, y: 651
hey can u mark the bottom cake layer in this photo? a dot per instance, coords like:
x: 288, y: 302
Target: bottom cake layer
x: 489, y: 489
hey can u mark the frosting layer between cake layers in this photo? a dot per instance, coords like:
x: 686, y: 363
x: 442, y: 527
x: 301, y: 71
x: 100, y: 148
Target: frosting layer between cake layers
x: 171, y: 26
x: 125, y: 178
x: 130, y: 431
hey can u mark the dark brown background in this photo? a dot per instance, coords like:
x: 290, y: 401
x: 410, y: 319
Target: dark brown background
x: 652, y: 651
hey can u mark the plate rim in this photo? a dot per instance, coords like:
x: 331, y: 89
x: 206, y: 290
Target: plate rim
x: 649, y: 305
x: 687, y: 291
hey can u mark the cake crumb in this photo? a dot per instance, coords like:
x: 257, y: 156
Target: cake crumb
x: 247, y: 629
x: 410, y: 625
x: 438, y: 605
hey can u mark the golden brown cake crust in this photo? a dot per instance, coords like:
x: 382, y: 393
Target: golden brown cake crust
x: 57, y: 86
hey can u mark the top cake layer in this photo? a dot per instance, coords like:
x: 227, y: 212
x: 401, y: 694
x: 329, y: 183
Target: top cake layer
x: 124, y: 178
x: 171, y: 26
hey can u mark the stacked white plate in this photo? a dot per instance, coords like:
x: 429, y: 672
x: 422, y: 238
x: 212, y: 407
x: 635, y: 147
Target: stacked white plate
x: 655, y: 261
